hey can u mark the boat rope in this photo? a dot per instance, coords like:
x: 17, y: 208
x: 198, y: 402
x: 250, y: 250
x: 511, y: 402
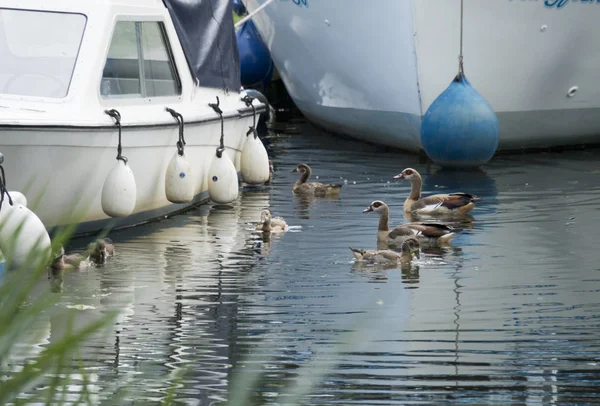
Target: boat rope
x: 3, y: 190
x: 248, y: 100
x: 460, y: 55
x: 117, y: 116
x: 252, y: 14
x: 217, y: 109
x: 181, y: 142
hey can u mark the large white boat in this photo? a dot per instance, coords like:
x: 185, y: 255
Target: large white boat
x: 66, y: 64
x: 370, y: 69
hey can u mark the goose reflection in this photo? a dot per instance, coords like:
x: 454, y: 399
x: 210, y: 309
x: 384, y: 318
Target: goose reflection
x: 379, y: 273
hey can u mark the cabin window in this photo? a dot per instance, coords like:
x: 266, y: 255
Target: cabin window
x: 139, y: 62
x: 38, y: 51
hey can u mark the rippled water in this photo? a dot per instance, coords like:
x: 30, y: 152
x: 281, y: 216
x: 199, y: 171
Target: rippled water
x: 510, y: 314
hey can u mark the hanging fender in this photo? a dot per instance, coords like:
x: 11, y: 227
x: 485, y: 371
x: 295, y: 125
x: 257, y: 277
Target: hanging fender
x: 119, y: 192
x: 254, y: 162
x: 460, y: 127
x: 22, y: 232
x: 223, y: 184
x: 179, y: 180
x: 222, y: 179
x: 23, y: 237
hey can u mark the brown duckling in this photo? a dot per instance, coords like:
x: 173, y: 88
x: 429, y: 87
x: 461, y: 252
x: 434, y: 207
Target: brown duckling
x: 410, y: 250
x: 303, y: 187
x: 450, y: 203
x: 271, y: 224
x: 101, y: 249
x: 425, y: 232
x: 71, y: 261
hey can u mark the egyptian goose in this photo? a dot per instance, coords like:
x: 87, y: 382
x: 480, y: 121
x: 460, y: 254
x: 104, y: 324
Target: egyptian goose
x: 271, y: 224
x: 426, y: 232
x: 302, y: 187
x: 458, y: 202
x: 100, y: 250
x: 410, y: 250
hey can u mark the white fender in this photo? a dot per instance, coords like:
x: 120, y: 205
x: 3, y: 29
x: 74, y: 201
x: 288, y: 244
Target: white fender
x: 179, y: 180
x: 222, y: 180
x: 18, y: 198
x: 119, y: 191
x: 254, y: 163
x: 21, y: 231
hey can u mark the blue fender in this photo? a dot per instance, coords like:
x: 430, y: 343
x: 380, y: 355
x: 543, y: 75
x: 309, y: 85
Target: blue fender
x: 255, y: 59
x: 460, y: 128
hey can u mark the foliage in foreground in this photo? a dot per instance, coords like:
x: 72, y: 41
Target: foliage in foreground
x: 46, y: 374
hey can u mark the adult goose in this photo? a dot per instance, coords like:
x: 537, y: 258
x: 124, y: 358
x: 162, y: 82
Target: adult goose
x: 424, y: 231
x: 303, y: 187
x: 450, y: 203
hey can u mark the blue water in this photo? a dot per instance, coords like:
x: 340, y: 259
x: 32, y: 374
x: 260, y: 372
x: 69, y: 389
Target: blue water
x: 510, y: 314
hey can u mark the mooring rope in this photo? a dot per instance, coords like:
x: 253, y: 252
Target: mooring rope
x: 217, y: 109
x: 252, y: 14
x: 181, y: 143
x: 460, y: 55
x: 3, y: 190
x: 117, y: 116
x: 248, y: 100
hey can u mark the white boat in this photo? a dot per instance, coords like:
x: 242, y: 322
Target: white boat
x: 370, y: 69
x: 65, y: 63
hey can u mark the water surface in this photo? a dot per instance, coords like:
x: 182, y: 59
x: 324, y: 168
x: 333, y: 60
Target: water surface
x: 510, y: 314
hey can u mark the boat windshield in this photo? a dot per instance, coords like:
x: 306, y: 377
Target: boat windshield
x: 38, y: 50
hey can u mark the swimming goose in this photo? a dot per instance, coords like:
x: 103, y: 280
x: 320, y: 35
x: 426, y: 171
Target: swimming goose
x: 101, y: 249
x: 426, y: 232
x: 458, y: 202
x: 410, y: 250
x: 271, y: 224
x: 313, y: 188
x: 71, y: 261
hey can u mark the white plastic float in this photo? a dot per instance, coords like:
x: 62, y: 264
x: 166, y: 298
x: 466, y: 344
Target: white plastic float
x: 23, y: 236
x: 254, y: 163
x: 179, y: 180
x: 223, y: 184
x: 222, y: 179
x: 119, y: 191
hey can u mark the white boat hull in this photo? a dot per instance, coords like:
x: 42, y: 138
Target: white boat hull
x: 62, y: 171
x: 371, y: 70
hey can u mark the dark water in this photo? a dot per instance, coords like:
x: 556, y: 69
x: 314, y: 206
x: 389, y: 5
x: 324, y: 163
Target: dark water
x: 510, y: 314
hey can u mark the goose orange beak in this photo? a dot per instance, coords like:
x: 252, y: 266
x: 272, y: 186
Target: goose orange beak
x: 399, y: 176
x: 368, y: 209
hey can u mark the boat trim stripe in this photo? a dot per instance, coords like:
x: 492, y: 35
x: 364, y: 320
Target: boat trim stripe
x: 245, y: 112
